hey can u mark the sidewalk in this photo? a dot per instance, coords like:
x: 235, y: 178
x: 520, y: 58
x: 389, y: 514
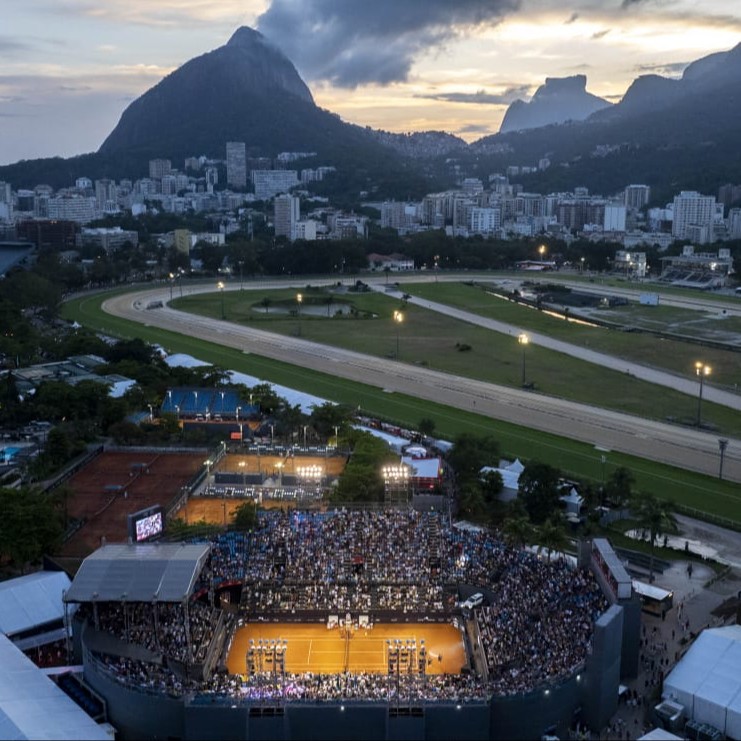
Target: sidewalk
x: 664, y: 642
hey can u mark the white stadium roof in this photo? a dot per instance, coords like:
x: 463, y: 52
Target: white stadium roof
x: 32, y: 600
x: 707, y: 681
x: 166, y: 572
x: 33, y: 707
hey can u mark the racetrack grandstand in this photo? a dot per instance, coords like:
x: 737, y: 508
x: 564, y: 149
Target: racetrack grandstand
x: 350, y: 621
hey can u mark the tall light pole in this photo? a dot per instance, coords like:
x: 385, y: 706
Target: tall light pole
x: 722, y: 445
x: 304, y: 437
x: 523, y: 340
x: 398, y: 319
x: 221, y: 289
x: 299, y: 301
x: 541, y: 251
x: 172, y: 281
x: 701, y: 371
x: 241, y: 278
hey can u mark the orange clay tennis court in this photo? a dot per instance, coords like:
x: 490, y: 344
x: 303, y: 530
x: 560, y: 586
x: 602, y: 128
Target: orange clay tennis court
x: 315, y: 648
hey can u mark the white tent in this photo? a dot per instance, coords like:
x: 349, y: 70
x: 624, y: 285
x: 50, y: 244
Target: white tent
x: 707, y: 681
x: 396, y: 443
x: 32, y: 602
x: 33, y: 707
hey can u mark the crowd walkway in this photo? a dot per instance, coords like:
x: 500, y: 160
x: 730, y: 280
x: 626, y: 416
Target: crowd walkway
x: 664, y: 642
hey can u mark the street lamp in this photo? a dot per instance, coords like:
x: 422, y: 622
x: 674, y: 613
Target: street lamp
x: 722, y: 445
x: 221, y: 288
x: 582, y: 264
x: 398, y: 319
x: 272, y: 436
x: 541, y: 251
x: 523, y: 340
x: 305, y: 437
x: 151, y: 413
x: 701, y: 371
x: 299, y: 300
x: 172, y: 283
x: 336, y: 437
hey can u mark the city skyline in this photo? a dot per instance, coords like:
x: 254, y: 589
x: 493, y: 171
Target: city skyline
x: 71, y: 67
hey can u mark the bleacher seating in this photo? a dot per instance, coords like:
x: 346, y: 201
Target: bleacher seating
x: 207, y: 402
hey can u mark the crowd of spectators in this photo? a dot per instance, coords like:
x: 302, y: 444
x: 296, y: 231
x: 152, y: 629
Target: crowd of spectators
x: 162, y: 628
x: 539, y: 625
x: 535, y: 630
x: 310, y: 686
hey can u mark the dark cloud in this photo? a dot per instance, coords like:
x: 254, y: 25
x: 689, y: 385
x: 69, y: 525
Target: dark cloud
x: 474, y: 129
x: 352, y: 42
x: 481, y: 97
x: 9, y: 46
x: 630, y: 3
x: 671, y: 69
x: 601, y: 34
x: 572, y: 18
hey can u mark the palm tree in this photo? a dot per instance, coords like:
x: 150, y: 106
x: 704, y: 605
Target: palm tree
x: 656, y: 516
x: 265, y: 303
x: 517, y: 531
x: 552, y: 536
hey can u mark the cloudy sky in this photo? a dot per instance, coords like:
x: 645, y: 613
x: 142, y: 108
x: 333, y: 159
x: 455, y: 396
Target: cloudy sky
x: 68, y: 68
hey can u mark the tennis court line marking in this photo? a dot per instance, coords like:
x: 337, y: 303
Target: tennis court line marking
x: 308, y: 657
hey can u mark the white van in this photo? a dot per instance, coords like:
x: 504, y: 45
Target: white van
x: 475, y: 600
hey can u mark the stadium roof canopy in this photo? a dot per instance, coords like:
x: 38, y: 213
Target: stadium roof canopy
x: 147, y: 572
x: 33, y: 707
x: 707, y: 681
x: 31, y: 601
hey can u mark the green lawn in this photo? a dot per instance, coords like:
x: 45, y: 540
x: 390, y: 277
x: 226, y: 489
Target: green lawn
x: 433, y: 340
x: 671, y: 355
x: 704, y: 493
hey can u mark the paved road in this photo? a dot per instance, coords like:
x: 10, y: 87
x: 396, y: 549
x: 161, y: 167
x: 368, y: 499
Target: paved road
x: 677, y: 446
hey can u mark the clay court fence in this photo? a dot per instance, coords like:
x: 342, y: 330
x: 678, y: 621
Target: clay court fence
x: 68, y: 473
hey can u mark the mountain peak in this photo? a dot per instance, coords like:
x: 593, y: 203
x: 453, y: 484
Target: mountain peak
x: 559, y: 100
x: 245, y: 36
x: 562, y: 85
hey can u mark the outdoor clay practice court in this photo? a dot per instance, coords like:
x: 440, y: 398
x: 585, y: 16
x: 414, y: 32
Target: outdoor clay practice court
x: 332, y: 466
x: 318, y: 649
x: 114, y: 484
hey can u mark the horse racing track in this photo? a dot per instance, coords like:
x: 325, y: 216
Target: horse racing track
x: 115, y: 484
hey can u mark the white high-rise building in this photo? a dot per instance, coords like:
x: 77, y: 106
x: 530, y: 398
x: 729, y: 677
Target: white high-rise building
x: 106, y: 195
x: 287, y: 215
x: 484, y: 220
x: 734, y: 223
x: 236, y: 164
x: 269, y: 183
x: 637, y: 196
x: 159, y: 168
x: 614, y: 220
x: 691, y: 209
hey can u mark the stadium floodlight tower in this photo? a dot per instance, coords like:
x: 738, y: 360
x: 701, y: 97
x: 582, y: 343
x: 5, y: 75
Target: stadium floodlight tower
x: 396, y: 481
